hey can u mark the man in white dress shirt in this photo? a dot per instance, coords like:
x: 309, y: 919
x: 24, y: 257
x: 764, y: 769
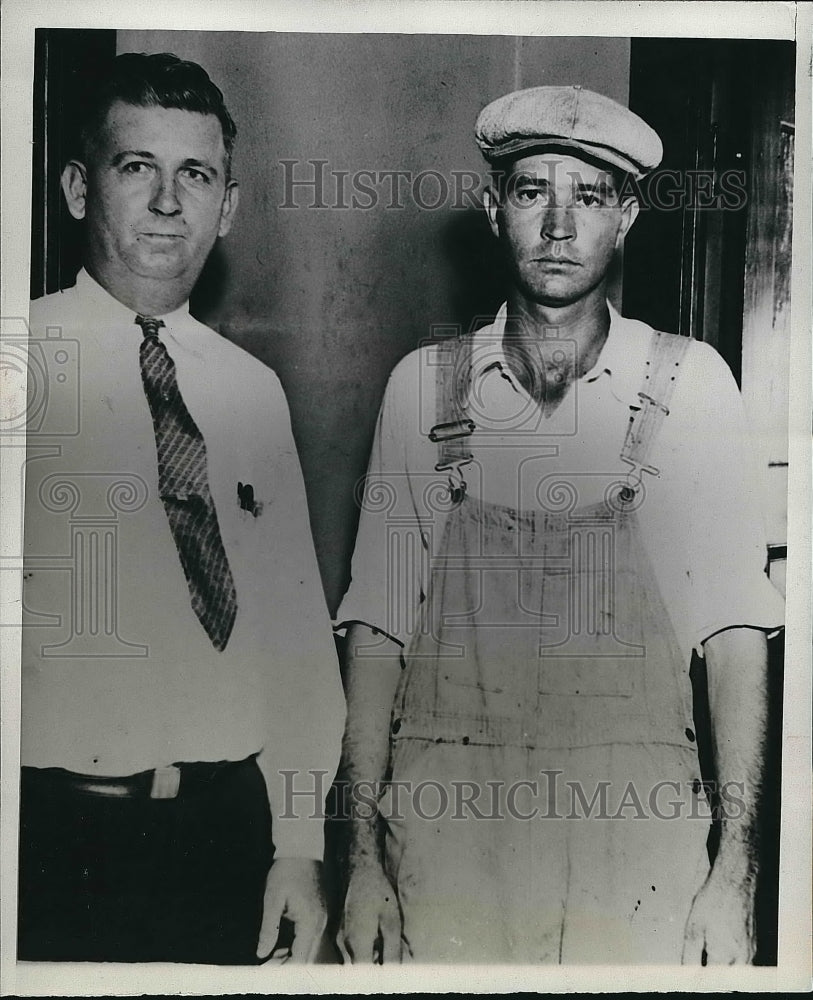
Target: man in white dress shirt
x: 178, y: 666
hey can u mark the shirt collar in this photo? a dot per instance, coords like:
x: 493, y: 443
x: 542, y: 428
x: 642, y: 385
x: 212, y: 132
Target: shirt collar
x: 618, y: 361
x: 99, y: 298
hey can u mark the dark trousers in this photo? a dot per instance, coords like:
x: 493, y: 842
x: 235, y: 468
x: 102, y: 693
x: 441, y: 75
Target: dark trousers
x: 137, y: 879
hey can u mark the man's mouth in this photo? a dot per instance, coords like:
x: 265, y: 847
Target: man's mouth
x: 550, y: 259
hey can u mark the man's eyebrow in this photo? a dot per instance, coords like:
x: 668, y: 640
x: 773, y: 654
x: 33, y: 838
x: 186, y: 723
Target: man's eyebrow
x: 528, y: 179
x: 142, y: 154
x: 201, y: 165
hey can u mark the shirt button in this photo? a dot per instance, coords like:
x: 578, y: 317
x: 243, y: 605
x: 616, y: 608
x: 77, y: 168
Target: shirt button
x: 689, y: 735
x: 396, y: 726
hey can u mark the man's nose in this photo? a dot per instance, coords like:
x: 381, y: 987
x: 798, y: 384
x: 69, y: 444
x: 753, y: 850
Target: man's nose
x: 557, y: 223
x: 164, y: 199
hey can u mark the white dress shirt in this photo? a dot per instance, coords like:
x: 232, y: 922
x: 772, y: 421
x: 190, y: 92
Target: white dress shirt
x: 699, y: 516
x: 118, y: 674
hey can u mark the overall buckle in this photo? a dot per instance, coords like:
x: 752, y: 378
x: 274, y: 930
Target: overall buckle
x: 653, y: 402
x: 457, y: 482
x: 451, y: 431
x: 629, y: 490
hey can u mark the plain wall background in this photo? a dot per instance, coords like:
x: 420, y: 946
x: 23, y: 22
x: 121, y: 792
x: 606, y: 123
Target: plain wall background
x: 333, y: 298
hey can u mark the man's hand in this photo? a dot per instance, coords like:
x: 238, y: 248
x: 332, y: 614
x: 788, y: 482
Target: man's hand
x: 293, y: 890
x: 721, y: 922
x: 371, y: 925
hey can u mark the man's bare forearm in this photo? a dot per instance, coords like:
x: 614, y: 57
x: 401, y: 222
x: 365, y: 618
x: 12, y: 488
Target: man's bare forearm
x: 371, y: 678
x: 737, y: 678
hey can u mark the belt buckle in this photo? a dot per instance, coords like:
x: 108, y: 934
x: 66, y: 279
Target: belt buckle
x: 166, y: 782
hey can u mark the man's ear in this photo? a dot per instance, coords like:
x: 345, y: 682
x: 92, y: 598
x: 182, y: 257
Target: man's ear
x: 629, y: 213
x: 491, y: 203
x: 74, y: 187
x: 230, y: 201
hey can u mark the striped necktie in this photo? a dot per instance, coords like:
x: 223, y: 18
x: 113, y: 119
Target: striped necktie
x: 183, y: 485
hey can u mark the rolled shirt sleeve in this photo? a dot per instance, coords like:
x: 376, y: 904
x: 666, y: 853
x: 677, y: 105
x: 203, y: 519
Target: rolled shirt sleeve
x: 391, y: 550
x: 727, y: 551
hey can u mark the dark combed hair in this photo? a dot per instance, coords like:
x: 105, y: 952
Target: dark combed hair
x: 160, y: 80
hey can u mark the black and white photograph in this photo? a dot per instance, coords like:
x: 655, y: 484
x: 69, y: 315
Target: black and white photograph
x: 405, y: 445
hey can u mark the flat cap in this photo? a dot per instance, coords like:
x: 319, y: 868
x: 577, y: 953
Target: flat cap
x: 543, y: 117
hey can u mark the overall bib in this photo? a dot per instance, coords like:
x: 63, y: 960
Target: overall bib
x: 545, y: 801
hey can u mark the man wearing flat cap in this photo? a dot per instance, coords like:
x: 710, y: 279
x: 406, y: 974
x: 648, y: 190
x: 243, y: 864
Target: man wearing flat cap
x: 558, y: 510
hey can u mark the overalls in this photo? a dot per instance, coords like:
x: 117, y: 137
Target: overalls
x: 551, y: 807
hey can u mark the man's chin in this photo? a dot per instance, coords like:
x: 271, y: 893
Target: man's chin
x: 159, y: 266
x: 554, y: 298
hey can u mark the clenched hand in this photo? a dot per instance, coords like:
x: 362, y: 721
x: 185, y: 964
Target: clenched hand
x: 371, y: 926
x: 721, y: 923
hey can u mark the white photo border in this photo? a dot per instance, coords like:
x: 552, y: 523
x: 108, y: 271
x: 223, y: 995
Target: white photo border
x: 497, y: 17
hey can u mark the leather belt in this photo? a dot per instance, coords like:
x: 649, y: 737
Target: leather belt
x: 168, y: 782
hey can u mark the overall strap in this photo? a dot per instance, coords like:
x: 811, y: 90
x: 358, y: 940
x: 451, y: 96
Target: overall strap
x: 453, y: 426
x: 666, y: 353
